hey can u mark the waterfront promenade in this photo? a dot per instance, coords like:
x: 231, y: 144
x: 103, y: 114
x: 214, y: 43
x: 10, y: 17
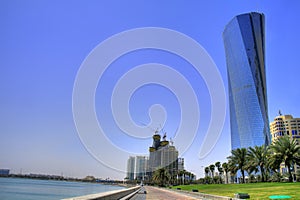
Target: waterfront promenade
x: 154, y: 193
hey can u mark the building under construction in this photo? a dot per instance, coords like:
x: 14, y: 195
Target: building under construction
x: 162, y: 154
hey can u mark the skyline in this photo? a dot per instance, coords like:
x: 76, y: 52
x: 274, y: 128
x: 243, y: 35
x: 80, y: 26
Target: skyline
x: 45, y: 43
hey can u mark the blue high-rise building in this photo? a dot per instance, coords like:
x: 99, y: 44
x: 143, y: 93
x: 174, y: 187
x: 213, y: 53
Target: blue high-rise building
x: 244, y: 41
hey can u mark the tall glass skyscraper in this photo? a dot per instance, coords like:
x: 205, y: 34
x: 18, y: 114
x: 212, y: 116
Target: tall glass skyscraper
x: 244, y: 41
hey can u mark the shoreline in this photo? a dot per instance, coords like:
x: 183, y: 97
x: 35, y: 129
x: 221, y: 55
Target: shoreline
x: 61, y: 178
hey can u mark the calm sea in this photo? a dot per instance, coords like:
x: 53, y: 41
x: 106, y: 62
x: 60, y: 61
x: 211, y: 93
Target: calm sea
x: 31, y: 189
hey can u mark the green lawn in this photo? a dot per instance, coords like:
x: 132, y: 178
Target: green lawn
x: 255, y: 190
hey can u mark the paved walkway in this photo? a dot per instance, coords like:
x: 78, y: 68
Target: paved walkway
x: 154, y: 193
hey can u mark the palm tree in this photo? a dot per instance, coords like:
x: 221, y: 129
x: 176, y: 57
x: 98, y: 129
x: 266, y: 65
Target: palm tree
x: 274, y: 161
x: 286, y: 150
x: 233, y: 170
x: 218, y: 165
x: 161, y: 176
x: 180, y: 174
x: 173, y: 179
x: 220, y: 170
x: 184, y: 173
x: 212, y: 169
x: 257, y: 157
x: 188, y: 175
x: 250, y: 168
x: 206, y: 170
x: 226, y: 169
x: 192, y: 177
x: 238, y: 160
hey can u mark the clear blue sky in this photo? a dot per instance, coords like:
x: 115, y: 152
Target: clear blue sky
x: 43, y: 44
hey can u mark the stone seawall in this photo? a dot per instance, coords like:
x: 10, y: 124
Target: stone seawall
x: 111, y: 195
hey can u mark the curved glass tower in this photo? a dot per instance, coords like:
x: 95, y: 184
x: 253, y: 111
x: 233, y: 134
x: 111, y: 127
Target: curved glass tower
x: 244, y: 42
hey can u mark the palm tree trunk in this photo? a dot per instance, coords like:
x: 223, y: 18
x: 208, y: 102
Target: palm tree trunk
x: 290, y: 173
x: 262, y: 174
x: 243, y: 176
x: 226, y: 177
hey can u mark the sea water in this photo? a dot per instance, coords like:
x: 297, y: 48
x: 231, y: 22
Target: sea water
x: 33, y: 189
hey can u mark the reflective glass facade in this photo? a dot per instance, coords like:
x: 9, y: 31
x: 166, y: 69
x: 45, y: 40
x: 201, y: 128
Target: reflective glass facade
x: 244, y: 43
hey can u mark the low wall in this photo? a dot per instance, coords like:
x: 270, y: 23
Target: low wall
x: 115, y: 194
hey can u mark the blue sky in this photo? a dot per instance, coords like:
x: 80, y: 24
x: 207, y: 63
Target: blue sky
x: 44, y: 43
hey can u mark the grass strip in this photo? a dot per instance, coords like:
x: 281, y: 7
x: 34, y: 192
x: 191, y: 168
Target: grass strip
x: 255, y: 190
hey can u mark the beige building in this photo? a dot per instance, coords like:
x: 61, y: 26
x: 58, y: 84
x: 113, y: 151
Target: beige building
x: 285, y: 125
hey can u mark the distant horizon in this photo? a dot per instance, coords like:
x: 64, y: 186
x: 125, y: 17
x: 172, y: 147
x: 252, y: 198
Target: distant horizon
x: 45, y: 48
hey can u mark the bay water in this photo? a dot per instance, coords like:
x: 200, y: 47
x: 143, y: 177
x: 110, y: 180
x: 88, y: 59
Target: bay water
x: 33, y: 189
